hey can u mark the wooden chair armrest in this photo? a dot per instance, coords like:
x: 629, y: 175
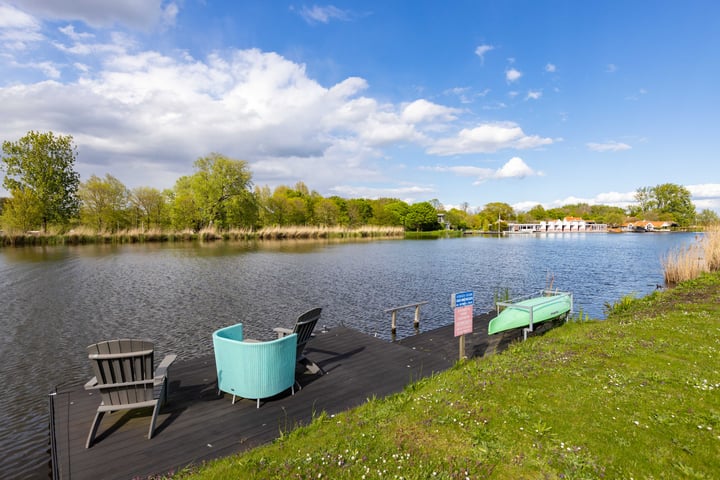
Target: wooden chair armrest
x: 91, y: 384
x: 162, y: 369
x: 282, y: 332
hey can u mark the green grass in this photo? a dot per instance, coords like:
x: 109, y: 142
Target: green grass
x: 635, y: 396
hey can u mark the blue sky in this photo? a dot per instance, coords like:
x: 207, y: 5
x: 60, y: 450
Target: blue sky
x: 524, y: 102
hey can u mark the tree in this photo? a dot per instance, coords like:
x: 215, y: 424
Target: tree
x: 538, y: 213
x: 41, y: 165
x: 708, y: 217
x: 422, y: 217
x: 497, y: 214
x: 21, y: 212
x: 645, y: 202
x: 104, y: 203
x: 674, y: 200
x: 150, y: 205
x: 211, y: 191
x: 327, y: 212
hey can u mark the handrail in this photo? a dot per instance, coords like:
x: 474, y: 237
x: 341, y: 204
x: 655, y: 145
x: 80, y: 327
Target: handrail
x: 394, y: 310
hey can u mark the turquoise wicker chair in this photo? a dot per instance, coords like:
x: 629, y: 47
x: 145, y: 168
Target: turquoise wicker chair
x: 251, y: 369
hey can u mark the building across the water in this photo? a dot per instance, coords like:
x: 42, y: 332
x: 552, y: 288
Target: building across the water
x: 566, y: 225
x: 649, y: 226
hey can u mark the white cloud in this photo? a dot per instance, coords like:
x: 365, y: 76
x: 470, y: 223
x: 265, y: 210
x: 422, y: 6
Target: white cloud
x: 705, y: 190
x: 513, y: 168
x: 512, y: 75
x: 141, y: 14
x: 422, y: 111
x: 325, y: 14
x: 17, y: 28
x: 533, y: 95
x: 608, y: 147
x: 550, y: 68
x: 481, y: 50
x: 487, y: 138
x: 156, y: 113
x: 611, y: 68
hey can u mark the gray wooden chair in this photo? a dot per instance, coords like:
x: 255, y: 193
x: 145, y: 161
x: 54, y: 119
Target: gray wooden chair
x: 304, y: 327
x: 125, y: 378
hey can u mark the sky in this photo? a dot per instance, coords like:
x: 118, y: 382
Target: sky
x: 465, y: 102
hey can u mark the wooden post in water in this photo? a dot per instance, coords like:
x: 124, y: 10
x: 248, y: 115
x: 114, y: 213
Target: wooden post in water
x: 416, y: 322
x: 393, y: 326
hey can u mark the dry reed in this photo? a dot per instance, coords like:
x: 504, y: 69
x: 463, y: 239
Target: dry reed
x: 689, y: 262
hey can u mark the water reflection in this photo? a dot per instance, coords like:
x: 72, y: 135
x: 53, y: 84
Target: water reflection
x: 57, y: 300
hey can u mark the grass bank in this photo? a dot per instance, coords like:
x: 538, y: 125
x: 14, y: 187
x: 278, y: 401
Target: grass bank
x: 634, y: 396
x: 81, y: 236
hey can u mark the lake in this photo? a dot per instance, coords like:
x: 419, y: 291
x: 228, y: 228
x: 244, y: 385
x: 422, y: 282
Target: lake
x: 54, y: 301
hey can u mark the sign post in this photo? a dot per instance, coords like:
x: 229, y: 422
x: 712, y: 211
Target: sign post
x: 462, y: 303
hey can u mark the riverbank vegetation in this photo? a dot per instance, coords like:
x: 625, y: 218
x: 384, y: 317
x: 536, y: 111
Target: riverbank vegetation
x: 634, y: 396
x: 47, y: 197
x: 690, y: 261
x: 83, y: 235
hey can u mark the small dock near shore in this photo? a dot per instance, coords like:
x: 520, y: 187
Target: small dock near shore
x: 198, y: 424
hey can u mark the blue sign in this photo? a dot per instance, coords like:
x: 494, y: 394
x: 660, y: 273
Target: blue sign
x: 463, y: 299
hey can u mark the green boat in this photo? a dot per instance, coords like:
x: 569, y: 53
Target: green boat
x: 530, y: 310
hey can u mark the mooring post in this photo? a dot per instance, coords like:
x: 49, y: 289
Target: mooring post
x: 393, y: 326
x: 416, y: 322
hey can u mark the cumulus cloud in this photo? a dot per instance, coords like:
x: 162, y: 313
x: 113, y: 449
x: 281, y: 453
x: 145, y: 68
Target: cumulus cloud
x: 533, y: 95
x: 487, y: 138
x: 152, y: 112
x: 422, y: 111
x: 512, y: 75
x: 608, y: 147
x: 550, y: 68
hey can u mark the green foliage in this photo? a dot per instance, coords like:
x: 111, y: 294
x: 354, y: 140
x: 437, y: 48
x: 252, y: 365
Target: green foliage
x: 104, y: 203
x: 41, y: 166
x: 707, y: 217
x: 22, y: 212
x: 667, y: 201
x: 150, y: 208
x: 422, y: 217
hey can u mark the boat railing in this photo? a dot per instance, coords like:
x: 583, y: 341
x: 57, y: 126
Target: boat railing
x: 514, y: 303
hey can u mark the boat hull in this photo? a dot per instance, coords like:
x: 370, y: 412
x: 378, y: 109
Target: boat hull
x: 543, y: 308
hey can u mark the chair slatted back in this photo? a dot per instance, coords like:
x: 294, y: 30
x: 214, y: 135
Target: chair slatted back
x: 304, y: 328
x: 124, y: 370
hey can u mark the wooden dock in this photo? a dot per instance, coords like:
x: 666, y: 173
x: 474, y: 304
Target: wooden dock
x: 198, y: 425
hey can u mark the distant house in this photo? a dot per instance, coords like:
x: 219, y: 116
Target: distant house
x: 649, y: 226
x: 443, y: 221
x: 566, y: 225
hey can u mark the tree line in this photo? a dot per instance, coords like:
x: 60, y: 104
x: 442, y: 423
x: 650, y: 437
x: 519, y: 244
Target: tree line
x: 46, y: 191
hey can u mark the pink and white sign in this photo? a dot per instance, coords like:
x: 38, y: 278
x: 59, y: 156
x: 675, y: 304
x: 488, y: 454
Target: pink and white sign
x: 463, y: 320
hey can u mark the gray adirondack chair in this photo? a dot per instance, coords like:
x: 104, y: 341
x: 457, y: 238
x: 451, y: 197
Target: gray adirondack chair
x: 304, y: 327
x: 125, y: 378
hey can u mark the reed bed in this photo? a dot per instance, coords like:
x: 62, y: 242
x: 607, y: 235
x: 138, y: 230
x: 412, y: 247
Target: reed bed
x: 85, y: 235
x: 689, y: 262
